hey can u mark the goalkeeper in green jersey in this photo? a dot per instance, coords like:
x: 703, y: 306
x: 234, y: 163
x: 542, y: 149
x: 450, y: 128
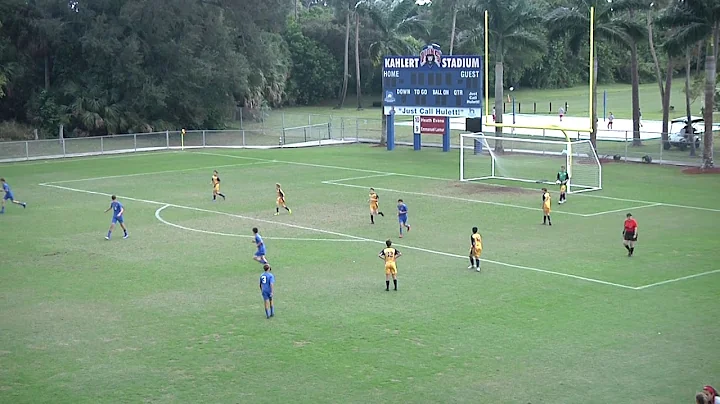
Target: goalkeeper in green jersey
x: 562, y: 179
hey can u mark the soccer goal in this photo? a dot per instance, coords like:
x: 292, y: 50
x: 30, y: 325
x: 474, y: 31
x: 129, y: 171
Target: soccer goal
x: 529, y: 160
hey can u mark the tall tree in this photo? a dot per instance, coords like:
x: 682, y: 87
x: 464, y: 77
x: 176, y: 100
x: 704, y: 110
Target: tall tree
x: 610, y: 26
x: 689, y: 132
x: 663, y: 85
x: 512, y: 24
x: 635, y: 32
x: 343, y: 9
x: 398, y: 25
x: 358, y: 83
x: 694, y: 21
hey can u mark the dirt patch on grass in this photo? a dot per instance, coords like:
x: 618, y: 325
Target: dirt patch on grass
x: 474, y: 188
x: 698, y: 170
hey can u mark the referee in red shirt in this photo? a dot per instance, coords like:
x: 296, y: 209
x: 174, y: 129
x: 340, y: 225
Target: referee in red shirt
x: 630, y: 234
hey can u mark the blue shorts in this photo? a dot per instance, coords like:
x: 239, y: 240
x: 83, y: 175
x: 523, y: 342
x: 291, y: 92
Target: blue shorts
x: 402, y: 219
x: 259, y: 253
x: 9, y: 196
x: 266, y: 295
x: 118, y: 219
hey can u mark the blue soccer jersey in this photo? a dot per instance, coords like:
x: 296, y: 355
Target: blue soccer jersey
x: 402, y: 212
x: 117, y: 209
x: 260, y: 244
x: 266, y: 280
x: 8, y: 191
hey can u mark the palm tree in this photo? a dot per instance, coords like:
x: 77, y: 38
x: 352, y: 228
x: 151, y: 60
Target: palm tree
x: 343, y: 9
x: 511, y: 25
x: 358, y: 86
x: 694, y: 21
x: 635, y: 32
x: 398, y: 25
x: 664, y: 88
x: 610, y: 26
x: 455, y: 6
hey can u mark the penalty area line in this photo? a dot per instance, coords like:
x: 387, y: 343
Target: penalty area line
x: 348, y: 236
x: 454, y: 198
x: 156, y: 172
x: 622, y: 210
x: 356, y: 178
x: 217, y: 233
x: 583, y: 195
x: 677, y: 279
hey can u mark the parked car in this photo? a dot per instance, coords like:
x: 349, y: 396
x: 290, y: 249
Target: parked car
x: 679, y: 137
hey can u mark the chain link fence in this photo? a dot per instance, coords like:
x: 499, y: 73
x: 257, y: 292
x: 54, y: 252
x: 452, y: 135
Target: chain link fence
x: 284, y: 129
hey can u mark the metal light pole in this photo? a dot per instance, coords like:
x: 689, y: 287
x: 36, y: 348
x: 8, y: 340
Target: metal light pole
x: 513, y: 103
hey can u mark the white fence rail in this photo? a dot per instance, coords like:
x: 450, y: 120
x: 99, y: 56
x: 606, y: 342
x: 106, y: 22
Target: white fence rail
x: 299, y: 130
x: 299, y: 136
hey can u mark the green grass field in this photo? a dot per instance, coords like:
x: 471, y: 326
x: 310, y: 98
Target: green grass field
x: 173, y: 314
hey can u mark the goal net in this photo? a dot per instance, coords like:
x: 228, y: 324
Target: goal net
x: 529, y: 160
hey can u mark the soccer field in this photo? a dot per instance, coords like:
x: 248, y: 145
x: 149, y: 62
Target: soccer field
x: 173, y: 314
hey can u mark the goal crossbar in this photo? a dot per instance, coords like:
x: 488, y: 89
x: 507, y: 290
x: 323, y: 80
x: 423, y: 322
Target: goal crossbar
x: 485, y: 157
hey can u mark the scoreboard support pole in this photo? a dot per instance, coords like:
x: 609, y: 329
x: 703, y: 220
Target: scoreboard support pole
x: 390, y: 127
x: 446, y: 135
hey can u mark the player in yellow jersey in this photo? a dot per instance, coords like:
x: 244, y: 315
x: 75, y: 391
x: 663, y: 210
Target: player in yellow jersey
x: 280, y: 202
x: 390, y: 256
x: 546, y: 203
x: 215, y: 181
x: 374, y: 206
x: 475, y: 249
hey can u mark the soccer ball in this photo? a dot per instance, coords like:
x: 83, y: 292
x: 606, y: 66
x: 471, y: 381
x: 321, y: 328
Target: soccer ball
x: 557, y: 182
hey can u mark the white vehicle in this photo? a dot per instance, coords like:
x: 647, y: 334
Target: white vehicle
x: 679, y: 137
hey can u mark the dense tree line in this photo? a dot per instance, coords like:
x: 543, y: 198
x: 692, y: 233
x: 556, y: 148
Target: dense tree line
x: 113, y: 66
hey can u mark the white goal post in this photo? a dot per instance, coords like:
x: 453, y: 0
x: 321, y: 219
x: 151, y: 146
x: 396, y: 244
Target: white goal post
x: 529, y: 160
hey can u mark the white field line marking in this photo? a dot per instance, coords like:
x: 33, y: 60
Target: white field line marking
x: 622, y: 210
x: 325, y: 166
x: 584, y: 194
x: 157, y: 172
x: 455, y: 198
x: 217, y: 233
x: 346, y: 236
x: 74, y: 159
x: 677, y: 279
x: 356, y: 178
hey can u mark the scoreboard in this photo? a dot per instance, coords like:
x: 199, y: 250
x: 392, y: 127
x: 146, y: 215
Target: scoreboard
x: 433, y: 84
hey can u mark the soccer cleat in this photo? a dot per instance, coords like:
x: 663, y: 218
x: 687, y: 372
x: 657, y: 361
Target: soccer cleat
x: 289, y: 211
x: 408, y: 228
x: 401, y: 236
x: 471, y: 267
x: 24, y: 205
x: 126, y: 236
x: 107, y: 238
x: 478, y: 269
x: 276, y: 214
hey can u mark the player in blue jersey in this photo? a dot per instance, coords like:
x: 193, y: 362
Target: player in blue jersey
x: 267, y: 288
x: 260, y: 253
x: 402, y: 216
x: 8, y: 196
x: 118, y: 211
